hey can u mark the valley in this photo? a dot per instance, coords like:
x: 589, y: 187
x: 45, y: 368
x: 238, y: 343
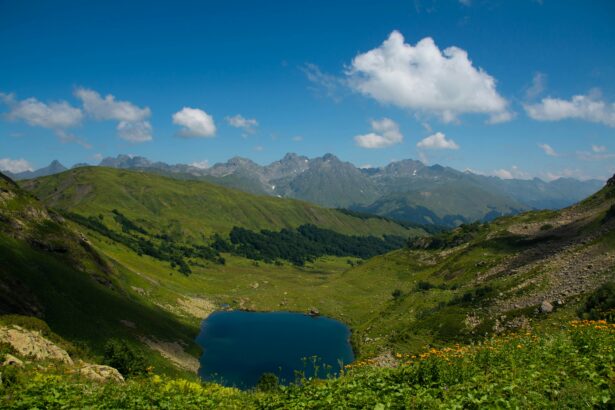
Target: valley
x: 514, y: 274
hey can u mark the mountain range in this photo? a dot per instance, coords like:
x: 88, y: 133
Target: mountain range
x: 406, y: 190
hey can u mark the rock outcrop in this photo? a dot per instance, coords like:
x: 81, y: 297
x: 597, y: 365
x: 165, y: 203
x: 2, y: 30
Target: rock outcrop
x: 10, y: 360
x: 99, y: 372
x: 31, y: 343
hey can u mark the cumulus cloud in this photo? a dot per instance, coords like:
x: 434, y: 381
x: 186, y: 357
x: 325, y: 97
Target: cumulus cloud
x: 385, y: 132
x: 201, y: 164
x: 15, y: 165
x: 426, y: 79
x: 194, y: 123
x: 548, y: 150
x: 583, y: 107
x: 437, y: 141
x: 138, y: 131
x: 133, y: 124
x: 56, y: 116
x: 238, y: 121
x: 512, y: 173
x: 108, y: 108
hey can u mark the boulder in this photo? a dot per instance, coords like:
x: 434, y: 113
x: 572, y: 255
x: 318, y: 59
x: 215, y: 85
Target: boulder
x: 10, y: 360
x: 546, y: 307
x: 314, y: 312
x: 31, y: 343
x: 100, y: 373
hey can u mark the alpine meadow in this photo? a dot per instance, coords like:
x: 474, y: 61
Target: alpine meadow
x: 307, y: 205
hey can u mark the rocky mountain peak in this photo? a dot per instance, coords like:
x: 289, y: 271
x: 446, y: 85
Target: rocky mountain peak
x: 611, y: 181
x: 330, y: 157
x: 125, y: 161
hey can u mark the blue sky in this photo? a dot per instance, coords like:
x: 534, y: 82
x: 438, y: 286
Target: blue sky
x: 527, y: 91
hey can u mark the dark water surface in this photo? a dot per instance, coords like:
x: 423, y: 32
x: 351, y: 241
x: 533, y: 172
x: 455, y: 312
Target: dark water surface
x: 238, y: 347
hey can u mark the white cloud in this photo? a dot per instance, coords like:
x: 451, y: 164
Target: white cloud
x: 133, y: 124
x: 297, y: 138
x: 539, y: 82
x: 584, y: 107
x: 238, y: 121
x: 201, y: 164
x: 548, y: 150
x: 259, y: 148
x: 139, y: 131
x: 14, y: 165
x: 598, y: 148
x: 426, y: 79
x: 56, y: 116
x: 385, y: 133
x: 437, y: 141
x: 466, y: 3
x: 195, y: 123
x: 108, y: 108
x: 513, y: 173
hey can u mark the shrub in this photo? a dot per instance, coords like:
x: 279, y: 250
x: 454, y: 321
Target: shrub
x: 127, y: 360
x: 268, y: 382
x: 424, y: 286
x: 600, y: 304
x: 397, y: 293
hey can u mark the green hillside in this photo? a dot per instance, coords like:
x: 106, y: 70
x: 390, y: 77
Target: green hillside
x: 192, y: 208
x: 446, y: 293
x: 50, y: 271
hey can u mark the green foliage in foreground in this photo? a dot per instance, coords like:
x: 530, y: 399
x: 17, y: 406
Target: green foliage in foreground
x: 569, y: 368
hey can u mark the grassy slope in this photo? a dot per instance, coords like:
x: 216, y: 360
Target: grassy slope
x: 143, y: 290
x: 48, y: 270
x: 194, y: 208
x: 519, y: 262
x: 362, y: 296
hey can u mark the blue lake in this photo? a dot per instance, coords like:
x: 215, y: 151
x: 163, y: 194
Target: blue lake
x: 238, y: 347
